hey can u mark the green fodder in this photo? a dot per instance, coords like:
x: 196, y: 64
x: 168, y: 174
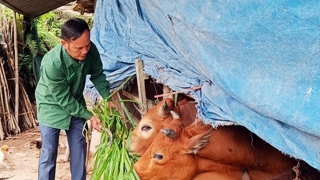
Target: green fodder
x: 112, y: 158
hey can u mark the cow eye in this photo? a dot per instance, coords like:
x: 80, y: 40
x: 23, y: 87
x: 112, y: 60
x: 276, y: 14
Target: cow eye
x: 157, y: 156
x: 145, y: 128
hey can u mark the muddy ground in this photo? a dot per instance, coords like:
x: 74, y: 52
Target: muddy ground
x: 23, y: 159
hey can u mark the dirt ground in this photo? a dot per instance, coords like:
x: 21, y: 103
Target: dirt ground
x: 23, y: 160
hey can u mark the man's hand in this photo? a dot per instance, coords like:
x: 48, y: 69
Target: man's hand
x: 96, y: 123
x: 111, y: 104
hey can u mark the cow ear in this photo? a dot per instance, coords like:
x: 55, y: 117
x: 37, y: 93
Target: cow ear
x: 197, y: 142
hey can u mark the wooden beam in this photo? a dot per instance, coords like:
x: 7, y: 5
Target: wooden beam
x: 140, y: 82
x: 130, y: 96
x: 16, y: 67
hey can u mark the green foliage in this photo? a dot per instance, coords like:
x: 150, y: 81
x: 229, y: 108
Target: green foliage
x: 113, y: 160
x: 48, y: 26
x: 50, y: 21
x: 6, y: 14
x: 32, y: 44
x: 25, y: 70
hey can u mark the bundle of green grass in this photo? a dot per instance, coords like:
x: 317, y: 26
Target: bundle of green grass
x: 112, y: 158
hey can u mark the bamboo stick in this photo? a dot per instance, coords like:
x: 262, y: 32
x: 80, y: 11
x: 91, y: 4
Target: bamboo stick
x: 16, y: 67
x: 11, y: 124
x: 2, y: 133
x: 26, y: 108
x: 1, y: 130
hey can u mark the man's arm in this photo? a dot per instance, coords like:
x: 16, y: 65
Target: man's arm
x: 98, y: 78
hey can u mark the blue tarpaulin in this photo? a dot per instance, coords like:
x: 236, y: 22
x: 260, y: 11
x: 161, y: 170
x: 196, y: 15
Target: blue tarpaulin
x: 258, y: 61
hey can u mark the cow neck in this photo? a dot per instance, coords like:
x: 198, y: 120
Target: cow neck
x: 218, y: 169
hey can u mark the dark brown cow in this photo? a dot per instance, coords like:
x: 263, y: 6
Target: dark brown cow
x: 302, y: 171
x: 194, y: 152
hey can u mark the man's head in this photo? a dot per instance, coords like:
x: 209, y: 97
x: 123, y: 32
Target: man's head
x: 75, y: 36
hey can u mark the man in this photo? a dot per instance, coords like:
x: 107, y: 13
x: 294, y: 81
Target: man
x: 60, y: 101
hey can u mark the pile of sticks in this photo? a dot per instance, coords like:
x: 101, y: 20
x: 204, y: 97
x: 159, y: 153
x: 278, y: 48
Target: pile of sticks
x: 9, y: 124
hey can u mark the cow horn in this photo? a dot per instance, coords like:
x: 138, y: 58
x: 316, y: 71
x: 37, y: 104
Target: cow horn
x: 175, y: 115
x: 169, y: 133
x: 164, y: 110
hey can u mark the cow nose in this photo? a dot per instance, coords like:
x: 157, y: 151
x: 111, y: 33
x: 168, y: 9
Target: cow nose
x: 131, y: 152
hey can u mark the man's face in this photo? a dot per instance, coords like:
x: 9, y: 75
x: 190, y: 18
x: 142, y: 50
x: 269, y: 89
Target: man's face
x: 78, y: 48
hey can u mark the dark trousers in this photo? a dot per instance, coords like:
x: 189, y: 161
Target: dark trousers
x: 49, y: 150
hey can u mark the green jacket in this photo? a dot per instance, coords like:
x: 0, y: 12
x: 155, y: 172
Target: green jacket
x: 59, y: 92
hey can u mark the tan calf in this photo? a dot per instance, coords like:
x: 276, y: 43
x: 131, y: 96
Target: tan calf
x: 198, y: 151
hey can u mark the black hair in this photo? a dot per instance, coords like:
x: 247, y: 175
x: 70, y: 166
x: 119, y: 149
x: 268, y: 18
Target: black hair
x: 73, y: 28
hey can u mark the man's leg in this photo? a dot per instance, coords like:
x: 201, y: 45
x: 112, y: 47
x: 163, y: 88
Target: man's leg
x: 78, y: 149
x: 48, y: 155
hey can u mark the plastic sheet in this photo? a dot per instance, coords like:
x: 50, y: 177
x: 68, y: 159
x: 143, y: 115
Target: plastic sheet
x: 258, y: 61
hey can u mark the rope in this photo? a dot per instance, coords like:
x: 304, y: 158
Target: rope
x: 177, y: 92
x: 297, y: 171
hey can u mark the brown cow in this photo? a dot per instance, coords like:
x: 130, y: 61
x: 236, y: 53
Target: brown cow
x: 166, y: 161
x: 149, y: 125
x: 298, y: 172
x: 157, y: 117
x: 230, y: 150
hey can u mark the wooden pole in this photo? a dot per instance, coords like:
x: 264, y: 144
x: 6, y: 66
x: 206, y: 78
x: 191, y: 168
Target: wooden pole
x: 141, y: 84
x: 16, y: 68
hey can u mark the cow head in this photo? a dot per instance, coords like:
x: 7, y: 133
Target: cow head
x: 171, y: 154
x: 149, y: 125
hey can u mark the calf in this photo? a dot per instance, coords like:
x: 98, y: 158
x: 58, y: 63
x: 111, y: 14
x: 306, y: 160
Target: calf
x: 199, y: 152
x: 171, y: 158
x: 157, y: 117
x: 149, y: 125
